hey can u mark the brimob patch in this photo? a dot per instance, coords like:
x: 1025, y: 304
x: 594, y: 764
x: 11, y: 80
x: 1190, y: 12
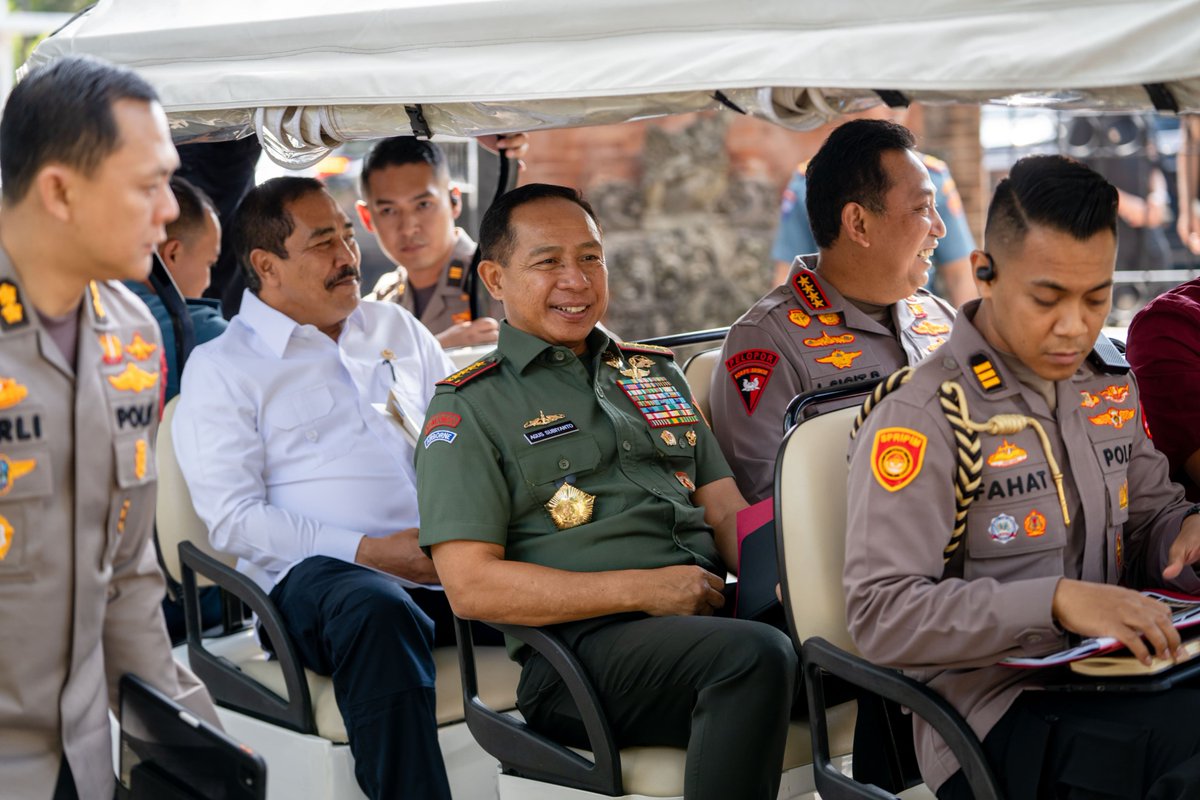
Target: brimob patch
x: 897, y: 457
x: 750, y: 371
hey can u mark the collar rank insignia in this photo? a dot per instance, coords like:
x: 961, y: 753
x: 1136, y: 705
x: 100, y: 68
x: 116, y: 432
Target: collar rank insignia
x: 12, y: 310
x: 1035, y: 524
x: 543, y: 419
x: 97, y: 306
x: 1007, y: 455
x: 1089, y: 400
x: 750, y: 371
x: 11, y: 470
x: 11, y: 392
x: 139, y: 348
x: 989, y: 379
x: 841, y: 359
x: 830, y: 319
x: 454, y: 275
x: 133, y: 379
x: 809, y: 291
x: 916, y: 308
x: 111, y: 349
x: 469, y: 372
x: 1116, y: 393
x: 897, y: 457
x: 570, y: 507
x: 798, y: 317
x: 927, y: 328
x: 1116, y: 417
x: 825, y: 340
x: 123, y: 516
x: 6, y: 536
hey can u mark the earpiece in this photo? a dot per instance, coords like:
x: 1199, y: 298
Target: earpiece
x: 986, y: 273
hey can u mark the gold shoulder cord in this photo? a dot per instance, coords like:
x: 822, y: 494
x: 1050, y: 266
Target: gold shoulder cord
x: 968, y: 474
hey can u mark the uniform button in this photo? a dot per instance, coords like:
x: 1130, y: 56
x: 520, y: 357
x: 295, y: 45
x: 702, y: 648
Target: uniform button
x: 600, y: 393
x: 949, y: 363
x: 310, y: 435
x: 563, y: 463
x: 558, y: 355
x: 657, y: 491
x: 628, y: 445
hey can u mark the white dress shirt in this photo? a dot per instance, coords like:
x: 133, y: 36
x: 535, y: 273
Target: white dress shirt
x: 281, y: 448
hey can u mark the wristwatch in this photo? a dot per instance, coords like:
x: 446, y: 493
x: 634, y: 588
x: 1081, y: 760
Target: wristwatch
x: 1195, y: 509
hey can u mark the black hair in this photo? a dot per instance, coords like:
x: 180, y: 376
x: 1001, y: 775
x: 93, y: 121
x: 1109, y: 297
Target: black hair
x: 849, y: 169
x: 398, y: 151
x: 496, y: 236
x: 63, y: 113
x: 263, y: 222
x: 194, y: 205
x: 1053, y: 191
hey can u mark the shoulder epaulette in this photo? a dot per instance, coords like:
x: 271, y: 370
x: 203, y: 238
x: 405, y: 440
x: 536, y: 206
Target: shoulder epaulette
x: 638, y: 347
x: 469, y: 372
x: 810, y: 291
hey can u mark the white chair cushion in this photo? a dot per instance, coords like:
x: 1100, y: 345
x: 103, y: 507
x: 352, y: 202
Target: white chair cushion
x: 698, y: 372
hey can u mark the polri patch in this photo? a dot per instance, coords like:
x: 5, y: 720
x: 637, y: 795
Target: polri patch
x: 750, y: 371
x: 553, y: 432
x: 659, y: 401
x: 810, y: 291
x: 440, y: 435
x: 897, y: 457
x: 989, y: 379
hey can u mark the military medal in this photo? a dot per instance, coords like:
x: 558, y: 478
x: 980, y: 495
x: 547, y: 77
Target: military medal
x: 639, y: 367
x: 659, y: 402
x: 543, y: 419
x: 570, y: 507
x: 685, y: 481
x: 668, y: 438
x: 691, y: 438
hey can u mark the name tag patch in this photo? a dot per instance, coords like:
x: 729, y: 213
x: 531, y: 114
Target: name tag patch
x: 553, y: 432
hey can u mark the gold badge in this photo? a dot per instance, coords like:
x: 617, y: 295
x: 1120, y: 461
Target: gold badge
x: 685, y: 481
x: 840, y: 358
x: 1007, y: 455
x: 6, y: 537
x: 668, y: 438
x: 639, y: 367
x: 110, y: 347
x: 97, y: 306
x: 11, y: 392
x: 386, y: 354
x: 935, y: 344
x: 798, y: 317
x: 139, y: 458
x: 1123, y: 495
x: 612, y: 360
x: 825, y: 340
x: 916, y: 309
x: 928, y: 328
x: 543, y: 419
x: 139, y: 348
x: 133, y: 379
x: 570, y: 507
x: 11, y: 470
x: 124, y: 514
x: 691, y: 438
x: 829, y: 319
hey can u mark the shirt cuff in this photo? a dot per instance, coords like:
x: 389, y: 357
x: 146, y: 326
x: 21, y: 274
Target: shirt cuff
x: 1033, y: 603
x: 339, y: 543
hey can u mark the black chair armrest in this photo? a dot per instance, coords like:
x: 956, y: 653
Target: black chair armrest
x: 229, y: 686
x: 800, y: 404
x: 521, y: 750
x: 819, y: 658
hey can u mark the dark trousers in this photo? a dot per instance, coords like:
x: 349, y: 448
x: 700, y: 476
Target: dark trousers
x: 366, y: 632
x: 1093, y: 746
x: 721, y: 688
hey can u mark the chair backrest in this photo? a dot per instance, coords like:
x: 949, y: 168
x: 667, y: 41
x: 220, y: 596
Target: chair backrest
x: 175, y: 516
x: 698, y: 370
x: 810, y: 525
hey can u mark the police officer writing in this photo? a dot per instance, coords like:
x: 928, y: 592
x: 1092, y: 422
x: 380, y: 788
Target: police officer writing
x: 854, y: 311
x: 85, y: 156
x: 598, y: 502
x: 1061, y: 502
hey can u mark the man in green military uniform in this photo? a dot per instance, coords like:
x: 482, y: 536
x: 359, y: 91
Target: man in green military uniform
x: 598, y: 502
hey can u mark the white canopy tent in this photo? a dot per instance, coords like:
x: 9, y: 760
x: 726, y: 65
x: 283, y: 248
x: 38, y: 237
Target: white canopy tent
x: 307, y: 75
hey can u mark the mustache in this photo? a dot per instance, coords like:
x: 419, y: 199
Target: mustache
x: 343, y: 273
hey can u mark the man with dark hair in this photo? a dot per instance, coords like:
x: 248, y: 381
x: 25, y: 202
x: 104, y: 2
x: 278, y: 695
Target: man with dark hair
x: 599, y: 504
x: 408, y: 202
x: 1002, y: 497
x: 854, y: 311
x: 311, y: 487
x: 85, y: 155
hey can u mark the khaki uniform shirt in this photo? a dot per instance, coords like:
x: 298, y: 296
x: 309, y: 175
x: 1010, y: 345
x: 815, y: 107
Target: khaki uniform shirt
x: 804, y: 335
x: 449, y: 304
x: 949, y: 626
x: 80, y: 587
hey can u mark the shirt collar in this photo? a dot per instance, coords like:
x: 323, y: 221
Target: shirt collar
x: 522, y: 348
x: 276, y: 328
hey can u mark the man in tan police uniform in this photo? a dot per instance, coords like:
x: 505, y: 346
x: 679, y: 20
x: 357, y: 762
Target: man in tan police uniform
x: 854, y: 312
x: 1065, y: 497
x: 80, y: 387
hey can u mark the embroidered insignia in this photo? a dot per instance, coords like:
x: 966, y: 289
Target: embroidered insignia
x: 139, y: 348
x: 541, y: 419
x: 1007, y: 455
x: 1089, y: 400
x: 12, y: 310
x: 809, y: 291
x: 553, y: 432
x: 935, y: 344
x: 133, y: 379
x: 639, y: 367
x: 1003, y: 529
x: 750, y: 371
x: 140, y: 449
x: 1035, y: 524
x: 11, y: 392
x: 570, y: 506
x: 440, y: 436
x: 659, y: 402
x: 123, y: 516
x: 691, y: 438
x: 897, y: 456
x: 829, y: 319
x: 916, y: 309
x: 97, y: 306
x: 668, y: 438
x: 468, y: 373
x: 638, y: 347
x: 611, y: 360
x: 685, y: 481
x: 1116, y: 394
x: 6, y: 537
x: 927, y: 328
x: 1117, y: 417
x: 110, y: 347
x: 1123, y: 495
x: 985, y: 373
x: 825, y: 340
x: 443, y: 419
x: 454, y: 275
x: 11, y: 470
x: 798, y: 317
x: 840, y: 358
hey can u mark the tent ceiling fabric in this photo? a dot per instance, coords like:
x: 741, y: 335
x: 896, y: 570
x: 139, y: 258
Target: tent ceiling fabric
x: 312, y: 74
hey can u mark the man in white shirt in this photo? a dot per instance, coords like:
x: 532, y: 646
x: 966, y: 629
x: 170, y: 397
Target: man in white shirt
x: 296, y: 473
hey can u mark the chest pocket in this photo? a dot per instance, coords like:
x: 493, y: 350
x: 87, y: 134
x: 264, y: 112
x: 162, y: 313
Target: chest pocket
x: 305, y: 424
x: 1015, y: 526
x: 545, y: 466
x: 26, y: 484
x: 678, y: 452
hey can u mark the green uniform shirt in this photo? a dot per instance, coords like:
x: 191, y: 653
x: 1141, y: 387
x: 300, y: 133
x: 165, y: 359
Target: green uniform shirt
x: 495, y: 451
